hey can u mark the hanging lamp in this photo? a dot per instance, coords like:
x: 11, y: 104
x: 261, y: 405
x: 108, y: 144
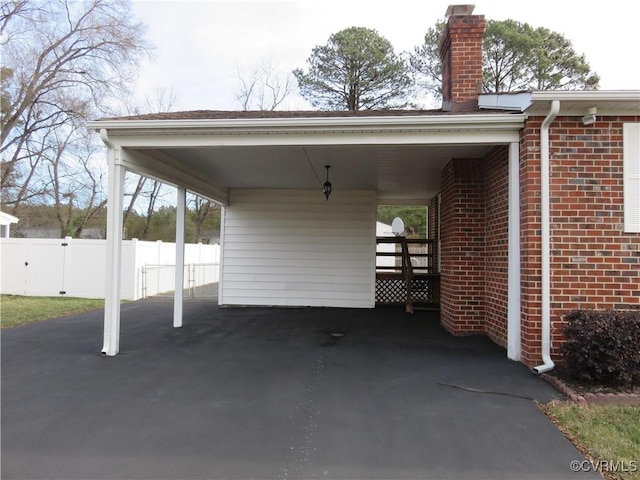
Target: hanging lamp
x: 326, y: 188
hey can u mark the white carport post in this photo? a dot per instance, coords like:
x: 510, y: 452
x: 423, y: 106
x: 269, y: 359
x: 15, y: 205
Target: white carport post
x: 115, y: 202
x: 514, y: 348
x: 179, y: 273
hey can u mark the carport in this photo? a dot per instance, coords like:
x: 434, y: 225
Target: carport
x: 268, y: 166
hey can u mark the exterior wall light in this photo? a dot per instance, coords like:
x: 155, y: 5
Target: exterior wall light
x: 590, y: 117
x: 326, y: 188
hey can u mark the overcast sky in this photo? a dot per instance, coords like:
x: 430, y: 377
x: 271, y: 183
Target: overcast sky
x: 202, y: 44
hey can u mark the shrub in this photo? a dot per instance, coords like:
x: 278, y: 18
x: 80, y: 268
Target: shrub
x: 602, y: 347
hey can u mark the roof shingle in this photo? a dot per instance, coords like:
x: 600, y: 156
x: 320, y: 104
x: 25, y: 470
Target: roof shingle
x: 240, y: 115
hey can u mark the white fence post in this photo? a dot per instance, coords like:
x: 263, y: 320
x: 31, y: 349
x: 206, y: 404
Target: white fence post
x: 143, y: 281
x: 134, y: 272
x: 66, y: 264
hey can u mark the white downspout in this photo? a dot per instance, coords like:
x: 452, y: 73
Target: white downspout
x: 546, y: 241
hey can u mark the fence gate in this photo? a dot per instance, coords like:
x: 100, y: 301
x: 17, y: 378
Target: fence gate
x: 36, y: 268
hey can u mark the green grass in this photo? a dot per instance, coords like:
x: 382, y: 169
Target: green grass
x: 17, y: 310
x: 602, y: 433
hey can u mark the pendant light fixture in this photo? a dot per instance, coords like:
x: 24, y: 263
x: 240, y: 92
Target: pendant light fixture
x: 326, y: 188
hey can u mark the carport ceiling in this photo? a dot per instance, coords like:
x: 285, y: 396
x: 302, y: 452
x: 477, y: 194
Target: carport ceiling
x: 400, y: 173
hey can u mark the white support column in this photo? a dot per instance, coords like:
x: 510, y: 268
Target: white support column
x: 221, y: 256
x: 514, y: 348
x: 115, y: 202
x: 179, y: 273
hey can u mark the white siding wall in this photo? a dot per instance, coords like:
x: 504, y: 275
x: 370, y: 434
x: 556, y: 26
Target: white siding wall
x: 295, y: 248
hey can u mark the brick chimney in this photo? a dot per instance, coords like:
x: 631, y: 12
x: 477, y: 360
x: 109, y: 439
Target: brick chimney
x: 461, y: 57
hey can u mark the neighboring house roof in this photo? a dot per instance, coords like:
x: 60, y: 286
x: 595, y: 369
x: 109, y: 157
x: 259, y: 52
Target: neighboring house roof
x: 6, y: 219
x: 383, y: 230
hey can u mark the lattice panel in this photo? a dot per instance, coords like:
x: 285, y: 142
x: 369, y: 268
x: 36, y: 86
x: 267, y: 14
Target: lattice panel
x: 425, y: 291
x: 390, y: 292
x: 393, y: 292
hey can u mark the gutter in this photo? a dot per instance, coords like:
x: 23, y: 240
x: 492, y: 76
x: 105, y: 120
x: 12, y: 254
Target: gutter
x: 622, y: 96
x: 480, y: 121
x: 547, y: 364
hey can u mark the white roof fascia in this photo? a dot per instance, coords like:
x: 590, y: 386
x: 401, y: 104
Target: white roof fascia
x: 173, y: 139
x: 518, y: 102
x: 483, y: 128
x: 330, y: 123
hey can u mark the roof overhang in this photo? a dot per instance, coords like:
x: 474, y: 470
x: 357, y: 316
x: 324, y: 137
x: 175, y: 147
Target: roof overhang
x: 398, y: 156
x: 6, y: 219
x: 572, y: 102
x: 292, y: 131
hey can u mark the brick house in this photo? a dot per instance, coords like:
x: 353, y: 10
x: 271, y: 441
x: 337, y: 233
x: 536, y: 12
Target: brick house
x: 534, y: 199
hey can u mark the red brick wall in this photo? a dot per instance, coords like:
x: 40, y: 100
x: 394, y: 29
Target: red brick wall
x: 593, y: 263
x: 461, y: 55
x: 497, y: 244
x: 462, y: 238
x: 530, y: 243
x: 475, y: 216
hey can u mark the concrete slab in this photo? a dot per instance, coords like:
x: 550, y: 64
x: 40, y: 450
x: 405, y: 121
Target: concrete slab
x: 270, y: 393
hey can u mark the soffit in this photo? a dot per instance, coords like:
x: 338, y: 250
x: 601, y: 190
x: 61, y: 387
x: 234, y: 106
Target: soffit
x: 401, y: 158
x: 401, y: 174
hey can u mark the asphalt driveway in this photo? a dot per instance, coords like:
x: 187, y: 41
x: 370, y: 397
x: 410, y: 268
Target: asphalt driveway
x: 271, y: 394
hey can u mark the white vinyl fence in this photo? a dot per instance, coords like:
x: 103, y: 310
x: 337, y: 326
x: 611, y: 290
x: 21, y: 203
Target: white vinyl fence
x: 157, y: 279
x: 77, y: 267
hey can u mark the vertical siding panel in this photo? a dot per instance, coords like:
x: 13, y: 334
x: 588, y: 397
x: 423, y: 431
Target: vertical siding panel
x: 295, y: 248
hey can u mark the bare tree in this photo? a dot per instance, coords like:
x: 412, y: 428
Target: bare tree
x: 61, y: 61
x: 145, y: 198
x: 162, y: 99
x: 133, y: 195
x: 11, y: 9
x: 264, y: 88
x: 158, y: 100
x: 75, y: 184
x: 202, y: 209
x: 153, y: 194
x: 92, y: 191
